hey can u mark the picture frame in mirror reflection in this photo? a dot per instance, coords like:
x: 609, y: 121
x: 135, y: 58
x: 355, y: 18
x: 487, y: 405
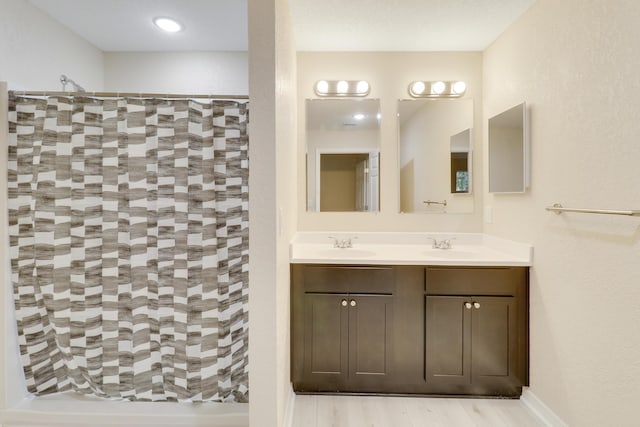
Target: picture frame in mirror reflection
x: 343, y: 155
x: 435, y: 155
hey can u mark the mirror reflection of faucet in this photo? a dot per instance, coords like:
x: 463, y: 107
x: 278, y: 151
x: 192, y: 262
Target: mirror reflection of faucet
x: 441, y: 244
x: 343, y: 243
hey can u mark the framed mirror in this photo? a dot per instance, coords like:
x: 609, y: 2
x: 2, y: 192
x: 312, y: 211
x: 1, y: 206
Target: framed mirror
x: 343, y: 155
x: 435, y: 152
x: 508, y: 151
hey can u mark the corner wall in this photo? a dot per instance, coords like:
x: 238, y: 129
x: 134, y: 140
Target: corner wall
x: 35, y: 50
x: 575, y: 63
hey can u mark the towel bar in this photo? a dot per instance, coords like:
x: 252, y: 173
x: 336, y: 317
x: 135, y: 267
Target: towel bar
x: 558, y: 208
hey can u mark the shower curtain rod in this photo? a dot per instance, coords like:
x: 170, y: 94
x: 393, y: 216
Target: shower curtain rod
x: 128, y: 95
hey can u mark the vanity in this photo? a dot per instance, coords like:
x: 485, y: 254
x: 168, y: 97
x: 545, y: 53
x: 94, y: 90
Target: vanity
x: 409, y: 313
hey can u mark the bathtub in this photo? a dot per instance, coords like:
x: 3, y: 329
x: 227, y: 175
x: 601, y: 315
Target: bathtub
x: 19, y: 408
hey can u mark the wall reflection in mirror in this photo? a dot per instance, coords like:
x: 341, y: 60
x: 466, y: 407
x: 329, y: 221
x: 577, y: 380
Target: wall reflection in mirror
x: 508, y: 151
x: 435, y: 155
x: 343, y: 146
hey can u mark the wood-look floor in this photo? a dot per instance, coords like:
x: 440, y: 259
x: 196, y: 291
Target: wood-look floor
x: 380, y: 411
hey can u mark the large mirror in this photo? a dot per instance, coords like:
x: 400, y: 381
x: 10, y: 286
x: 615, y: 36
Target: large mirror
x: 435, y: 155
x: 343, y: 149
x: 508, y: 146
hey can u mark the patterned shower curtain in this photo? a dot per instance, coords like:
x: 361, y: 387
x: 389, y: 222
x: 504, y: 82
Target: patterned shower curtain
x: 129, y: 246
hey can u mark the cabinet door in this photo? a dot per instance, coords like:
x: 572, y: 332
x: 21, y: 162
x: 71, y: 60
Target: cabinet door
x: 494, y: 343
x: 325, y: 342
x: 447, y: 340
x: 370, y: 340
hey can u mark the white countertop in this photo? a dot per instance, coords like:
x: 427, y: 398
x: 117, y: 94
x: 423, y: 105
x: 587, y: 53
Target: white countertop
x: 390, y: 248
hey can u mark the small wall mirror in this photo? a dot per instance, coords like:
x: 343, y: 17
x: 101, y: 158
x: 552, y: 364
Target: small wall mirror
x: 343, y: 147
x: 435, y: 154
x: 508, y: 151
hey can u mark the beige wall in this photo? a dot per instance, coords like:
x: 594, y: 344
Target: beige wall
x: 575, y: 63
x: 389, y: 75
x: 272, y: 213
x: 221, y: 73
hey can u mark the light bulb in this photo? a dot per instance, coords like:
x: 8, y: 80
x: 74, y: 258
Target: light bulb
x: 362, y: 87
x: 418, y: 88
x: 459, y: 87
x: 358, y: 116
x: 437, y: 88
x: 342, y: 86
x: 322, y: 87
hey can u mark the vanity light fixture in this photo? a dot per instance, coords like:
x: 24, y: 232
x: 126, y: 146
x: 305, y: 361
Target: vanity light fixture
x: 169, y: 25
x: 340, y: 88
x: 437, y: 89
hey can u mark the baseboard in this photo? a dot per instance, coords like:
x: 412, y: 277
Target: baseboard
x: 288, y: 409
x: 542, y: 411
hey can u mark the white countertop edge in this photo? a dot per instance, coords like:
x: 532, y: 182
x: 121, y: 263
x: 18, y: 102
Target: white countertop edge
x: 430, y: 262
x: 383, y: 237
x: 389, y: 247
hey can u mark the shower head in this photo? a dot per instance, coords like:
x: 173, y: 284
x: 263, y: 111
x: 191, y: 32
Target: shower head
x: 65, y: 80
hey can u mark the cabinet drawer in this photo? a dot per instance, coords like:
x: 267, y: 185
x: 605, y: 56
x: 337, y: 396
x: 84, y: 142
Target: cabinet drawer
x: 349, y: 279
x: 475, y: 280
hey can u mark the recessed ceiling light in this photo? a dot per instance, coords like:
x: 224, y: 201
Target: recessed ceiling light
x: 167, y: 24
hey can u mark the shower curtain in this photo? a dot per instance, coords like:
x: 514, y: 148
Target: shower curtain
x: 129, y: 246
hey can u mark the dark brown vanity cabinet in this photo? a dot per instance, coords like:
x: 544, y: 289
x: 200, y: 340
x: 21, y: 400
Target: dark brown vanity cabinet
x: 409, y: 329
x: 346, y: 341
x: 342, y: 321
x: 476, y: 324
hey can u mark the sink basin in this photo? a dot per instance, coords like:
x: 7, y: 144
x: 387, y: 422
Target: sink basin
x: 345, y: 253
x: 450, y: 254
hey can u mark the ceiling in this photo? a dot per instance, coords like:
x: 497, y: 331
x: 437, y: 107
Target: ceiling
x: 126, y: 25
x: 402, y: 25
x: 318, y: 25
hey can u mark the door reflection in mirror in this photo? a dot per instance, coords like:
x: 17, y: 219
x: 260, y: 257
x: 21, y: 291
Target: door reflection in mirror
x: 435, y: 155
x: 343, y: 146
x: 346, y: 182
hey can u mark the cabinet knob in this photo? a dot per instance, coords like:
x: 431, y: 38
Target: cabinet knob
x: 353, y: 303
x: 344, y: 303
x: 476, y: 304
x: 467, y: 305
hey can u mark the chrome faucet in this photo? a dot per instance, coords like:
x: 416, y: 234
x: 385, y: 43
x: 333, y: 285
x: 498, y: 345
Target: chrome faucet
x: 442, y: 244
x: 342, y: 243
